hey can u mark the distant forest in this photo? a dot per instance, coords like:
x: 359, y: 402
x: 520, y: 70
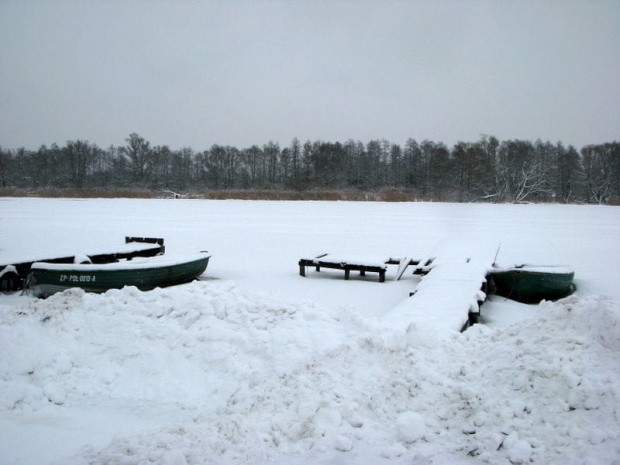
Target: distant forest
x: 485, y: 170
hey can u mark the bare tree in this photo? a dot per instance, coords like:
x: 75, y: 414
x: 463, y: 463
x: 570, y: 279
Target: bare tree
x: 142, y: 160
x: 473, y: 171
x: 531, y: 180
x: 182, y: 168
x: 272, y: 155
x: 5, y: 161
x: 520, y: 173
x: 295, y: 156
x: 601, y: 165
x: 80, y: 156
x: 568, y: 173
x: 253, y: 158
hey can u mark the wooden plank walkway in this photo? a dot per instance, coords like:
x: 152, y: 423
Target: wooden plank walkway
x: 347, y: 264
x: 448, y: 298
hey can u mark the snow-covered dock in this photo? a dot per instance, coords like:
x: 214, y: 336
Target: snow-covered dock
x: 363, y: 264
x: 450, y: 295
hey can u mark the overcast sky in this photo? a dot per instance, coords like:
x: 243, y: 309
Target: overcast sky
x: 197, y: 73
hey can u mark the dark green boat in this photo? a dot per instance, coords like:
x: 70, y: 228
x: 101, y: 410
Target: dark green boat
x: 143, y: 273
x: 531, y: 284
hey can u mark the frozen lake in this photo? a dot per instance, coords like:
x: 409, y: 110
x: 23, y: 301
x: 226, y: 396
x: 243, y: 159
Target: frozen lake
x: 258, y: 244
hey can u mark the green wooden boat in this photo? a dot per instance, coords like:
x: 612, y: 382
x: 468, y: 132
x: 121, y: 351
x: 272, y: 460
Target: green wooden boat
x: 531, y: 284
x: 14, y: 274
x: 143, y: 273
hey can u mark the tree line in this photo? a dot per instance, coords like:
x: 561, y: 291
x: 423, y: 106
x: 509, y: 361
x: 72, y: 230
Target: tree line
x: 484, y: 170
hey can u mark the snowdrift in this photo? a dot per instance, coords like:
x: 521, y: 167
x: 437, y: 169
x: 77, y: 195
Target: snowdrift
x: 244, y: 380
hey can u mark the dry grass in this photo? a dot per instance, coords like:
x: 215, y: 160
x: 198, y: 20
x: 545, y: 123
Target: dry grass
x: 389, y: 195
x: 385, y: 195
x: 14, y: 192
x: 78, y: 193
x: 317, y: 195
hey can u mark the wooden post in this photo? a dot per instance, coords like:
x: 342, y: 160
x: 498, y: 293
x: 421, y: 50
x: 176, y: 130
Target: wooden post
x: 346, y: 273
x: 302, y: 270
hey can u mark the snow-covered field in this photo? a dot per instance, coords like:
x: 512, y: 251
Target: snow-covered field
x: 256, y: 364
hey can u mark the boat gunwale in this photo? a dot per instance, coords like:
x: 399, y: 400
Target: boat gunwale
x: 534, y: 270
x: 135, y: 264
x: 99, y: 278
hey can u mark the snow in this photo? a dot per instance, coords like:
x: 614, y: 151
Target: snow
x: 133, y: 264
x: 443, y: 300
x: 8, y: 269
x: 542, y: 269
x: 41, y: 251
x: 256, y: 364
x: 451, y: 290
x: 363, y: 260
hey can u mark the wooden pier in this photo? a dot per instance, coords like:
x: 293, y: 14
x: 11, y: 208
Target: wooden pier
x: 449, y: 296
x: 361, y: 264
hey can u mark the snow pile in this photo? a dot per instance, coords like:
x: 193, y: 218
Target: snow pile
x: 166, y: 345
x: 245, y: 379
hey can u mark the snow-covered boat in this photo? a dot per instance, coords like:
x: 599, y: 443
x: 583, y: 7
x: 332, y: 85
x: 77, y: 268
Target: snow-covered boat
x: 14, y: 272
x: 531, y: 284
x: 143, y: 273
